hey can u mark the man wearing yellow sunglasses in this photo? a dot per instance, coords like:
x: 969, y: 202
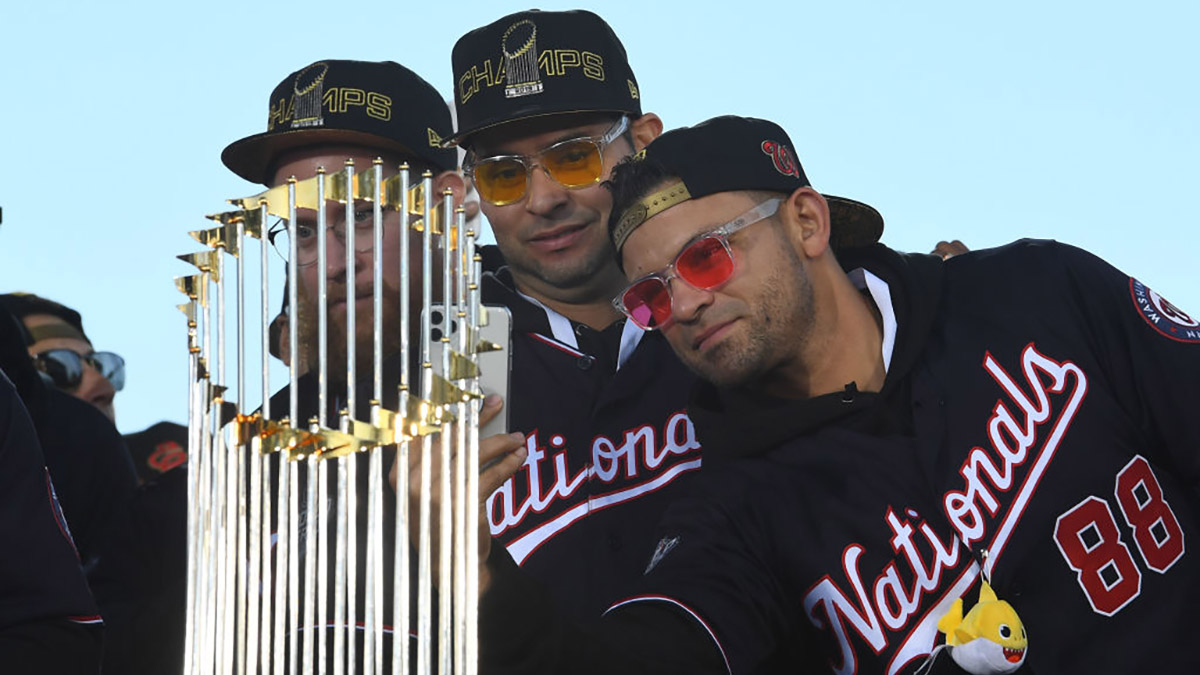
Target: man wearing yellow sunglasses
x: 546, y: 104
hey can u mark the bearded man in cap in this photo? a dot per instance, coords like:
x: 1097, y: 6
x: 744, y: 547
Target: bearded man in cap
x: 895, y: 433
x: 547, y: 103
x: 321, y: 116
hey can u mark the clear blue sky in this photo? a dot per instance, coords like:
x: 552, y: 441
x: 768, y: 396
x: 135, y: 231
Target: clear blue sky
x: 982, y: 121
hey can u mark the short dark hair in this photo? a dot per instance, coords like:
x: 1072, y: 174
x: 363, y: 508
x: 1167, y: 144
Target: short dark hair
x: 22, y: 305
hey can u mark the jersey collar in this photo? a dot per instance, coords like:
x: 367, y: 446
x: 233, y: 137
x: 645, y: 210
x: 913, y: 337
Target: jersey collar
x: 563, y: 331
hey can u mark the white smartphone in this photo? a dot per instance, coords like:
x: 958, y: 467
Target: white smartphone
x: 494, y: 366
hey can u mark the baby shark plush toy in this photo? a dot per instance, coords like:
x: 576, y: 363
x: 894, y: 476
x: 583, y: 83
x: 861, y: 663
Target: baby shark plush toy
x: 990, y: 639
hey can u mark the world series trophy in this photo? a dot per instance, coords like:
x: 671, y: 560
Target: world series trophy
x: 281, y: 509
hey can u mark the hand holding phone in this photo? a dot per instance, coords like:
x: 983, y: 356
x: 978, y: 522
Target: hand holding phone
x: 494, y: 366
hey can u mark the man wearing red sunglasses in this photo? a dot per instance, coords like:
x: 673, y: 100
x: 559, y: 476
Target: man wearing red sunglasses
x: 547, y: 104
x: 890, y: 430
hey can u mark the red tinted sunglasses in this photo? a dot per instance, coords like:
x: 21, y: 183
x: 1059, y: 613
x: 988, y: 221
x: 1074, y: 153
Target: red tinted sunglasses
x: 706, y: 263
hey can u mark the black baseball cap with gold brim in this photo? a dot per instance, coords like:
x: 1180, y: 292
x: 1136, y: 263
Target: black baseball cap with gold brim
x: 727, y: 154
x: 535, y: 63
x: 375, y: 104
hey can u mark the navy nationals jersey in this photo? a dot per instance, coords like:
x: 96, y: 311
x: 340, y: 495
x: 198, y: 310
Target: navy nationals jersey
x: 608, y: 440
x: 1037, y: 422
x: 48, y: 621
x: 606, y: 448
x: 307, y: 395
x: 80, y: 446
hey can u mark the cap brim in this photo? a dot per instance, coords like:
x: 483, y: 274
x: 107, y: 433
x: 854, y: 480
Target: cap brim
x: 251, y: 157
x: 852, y: 223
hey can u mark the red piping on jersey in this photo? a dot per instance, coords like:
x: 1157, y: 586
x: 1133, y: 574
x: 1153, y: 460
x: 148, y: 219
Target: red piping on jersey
x: 556, y: 344
x: 95, y: 619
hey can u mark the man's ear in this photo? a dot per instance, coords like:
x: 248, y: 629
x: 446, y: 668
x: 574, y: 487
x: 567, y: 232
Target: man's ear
x: 806, y: 213
x: 645, y: 129
x: 454, y: 181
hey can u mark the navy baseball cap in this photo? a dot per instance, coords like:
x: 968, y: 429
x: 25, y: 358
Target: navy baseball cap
x: 375, y: 104
x: 726, y: 154
x: 22, y: 305
x: 535, y: 63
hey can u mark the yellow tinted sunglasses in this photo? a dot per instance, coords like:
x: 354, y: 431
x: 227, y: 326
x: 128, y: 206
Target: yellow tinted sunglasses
x: 573, y: 163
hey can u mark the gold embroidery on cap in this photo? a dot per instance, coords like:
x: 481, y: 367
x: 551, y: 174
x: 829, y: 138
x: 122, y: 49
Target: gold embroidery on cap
x: 522, y: 67
x: 633, y: 90
x: 519, y: 45
x: 308, y: 89
x: 648, y: 207
x: 435, y: 141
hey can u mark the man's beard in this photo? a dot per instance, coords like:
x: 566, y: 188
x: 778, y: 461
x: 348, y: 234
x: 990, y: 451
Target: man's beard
x: 783, y: 322
x: 337, y: 343
x: 580, y: 273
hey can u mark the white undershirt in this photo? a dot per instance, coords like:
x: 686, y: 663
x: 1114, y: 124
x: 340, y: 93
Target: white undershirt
x: 881, y: 294
x: 561, y: 331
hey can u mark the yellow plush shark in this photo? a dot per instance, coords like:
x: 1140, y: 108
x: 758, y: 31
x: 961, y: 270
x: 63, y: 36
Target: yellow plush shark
x: 990, y: 640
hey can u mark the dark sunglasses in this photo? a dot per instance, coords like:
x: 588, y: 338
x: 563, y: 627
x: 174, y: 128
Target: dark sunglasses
x: 706, y: 263
x: 574, y: 163
x: 63, y: 368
